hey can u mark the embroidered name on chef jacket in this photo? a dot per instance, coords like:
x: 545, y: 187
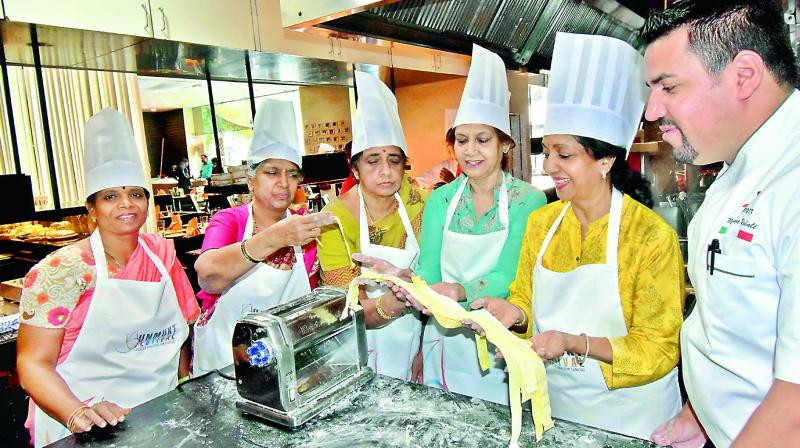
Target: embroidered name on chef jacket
x: 139, y: 341
x: 742, y: 225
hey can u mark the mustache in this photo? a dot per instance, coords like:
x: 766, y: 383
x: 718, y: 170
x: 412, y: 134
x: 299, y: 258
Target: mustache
x: 667, y: 122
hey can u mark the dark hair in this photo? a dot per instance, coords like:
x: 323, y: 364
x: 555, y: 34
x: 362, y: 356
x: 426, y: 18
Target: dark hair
x: 504, y: 138
x: 623, y: 178
x: 720, y: 29
x: 92, y: 198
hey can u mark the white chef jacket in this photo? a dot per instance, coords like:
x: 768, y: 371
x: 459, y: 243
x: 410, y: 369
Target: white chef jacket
x: 745, y: 329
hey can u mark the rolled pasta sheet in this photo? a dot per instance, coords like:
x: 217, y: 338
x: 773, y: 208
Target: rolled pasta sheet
x: 527, y: 379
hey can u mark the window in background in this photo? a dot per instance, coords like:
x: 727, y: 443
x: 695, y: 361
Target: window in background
x: 6, y: 148
x: 234, y: 117
x: 30, y: 134
x: 537, y: 100
x: 72, y: 97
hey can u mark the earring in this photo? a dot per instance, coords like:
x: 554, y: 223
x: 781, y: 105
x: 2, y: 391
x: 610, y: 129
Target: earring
x: 603, y: 174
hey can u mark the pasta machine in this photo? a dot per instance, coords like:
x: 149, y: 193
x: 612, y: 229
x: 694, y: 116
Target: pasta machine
x: 297, y: 359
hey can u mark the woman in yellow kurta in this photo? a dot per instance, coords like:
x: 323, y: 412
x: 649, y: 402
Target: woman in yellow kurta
x: 600, y: 277
x: 381, y: 217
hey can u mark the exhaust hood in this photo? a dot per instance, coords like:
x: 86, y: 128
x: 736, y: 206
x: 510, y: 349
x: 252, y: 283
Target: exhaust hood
x: 520, y: 31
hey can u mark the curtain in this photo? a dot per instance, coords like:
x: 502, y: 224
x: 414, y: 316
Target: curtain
x: 73, y: 96
x: 30, y: 138
x: 6, y: 151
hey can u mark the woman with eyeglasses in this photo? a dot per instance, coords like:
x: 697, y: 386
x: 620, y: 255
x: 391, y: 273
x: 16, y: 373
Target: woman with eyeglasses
x: 257, y: 255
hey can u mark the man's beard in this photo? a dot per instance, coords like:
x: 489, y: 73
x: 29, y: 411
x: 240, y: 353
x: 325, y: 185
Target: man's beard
x: 685, y: 153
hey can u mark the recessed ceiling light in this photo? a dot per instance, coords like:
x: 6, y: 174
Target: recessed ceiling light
x: 152, y: 109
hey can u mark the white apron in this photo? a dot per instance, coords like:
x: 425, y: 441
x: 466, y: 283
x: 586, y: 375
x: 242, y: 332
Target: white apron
x: 128, y: 349
x: 450, y: 356
x: 587, y: 300
x: 391, y: 348
x: 261, y: 288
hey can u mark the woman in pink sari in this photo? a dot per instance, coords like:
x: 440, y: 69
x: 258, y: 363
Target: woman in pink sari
x: 104, y: 321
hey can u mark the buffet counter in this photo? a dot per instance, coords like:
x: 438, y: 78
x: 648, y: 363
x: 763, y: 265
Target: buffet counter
x: 384, y: 413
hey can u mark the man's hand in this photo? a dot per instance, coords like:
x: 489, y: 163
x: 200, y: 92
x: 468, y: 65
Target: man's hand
x: 681, y: 431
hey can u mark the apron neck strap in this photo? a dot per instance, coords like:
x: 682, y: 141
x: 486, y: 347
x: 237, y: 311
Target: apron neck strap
x: 250, y: 226
x: 99, y: 253
x: 502, y: 205
x: 612, y: 234
x: 363, y: 225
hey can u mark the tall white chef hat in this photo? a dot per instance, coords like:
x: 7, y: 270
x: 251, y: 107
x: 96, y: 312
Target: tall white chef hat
x: 597, y: 89
x: 376, y: 122
x: 110, y: 156
x: 485, y: 98
x: 275, y: 134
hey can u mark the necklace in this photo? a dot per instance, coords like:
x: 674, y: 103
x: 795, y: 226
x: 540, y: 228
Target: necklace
x: 119, y: 265
x: 376, y: 233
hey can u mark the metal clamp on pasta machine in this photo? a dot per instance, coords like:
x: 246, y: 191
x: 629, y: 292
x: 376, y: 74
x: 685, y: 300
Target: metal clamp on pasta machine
x: 297, y: 359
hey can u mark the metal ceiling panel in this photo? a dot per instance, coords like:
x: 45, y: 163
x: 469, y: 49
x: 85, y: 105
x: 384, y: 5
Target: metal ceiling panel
x: 521, y: 31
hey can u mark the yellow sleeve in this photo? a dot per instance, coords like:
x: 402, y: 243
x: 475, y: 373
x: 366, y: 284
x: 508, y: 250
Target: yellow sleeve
x: 521, y: 289
x: 654, y: 313
x: 332, y: 249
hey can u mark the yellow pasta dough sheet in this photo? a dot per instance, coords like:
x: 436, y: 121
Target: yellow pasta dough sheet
x: 527, y: 379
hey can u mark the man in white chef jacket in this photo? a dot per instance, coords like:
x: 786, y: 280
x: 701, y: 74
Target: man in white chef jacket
x: 722, y: 76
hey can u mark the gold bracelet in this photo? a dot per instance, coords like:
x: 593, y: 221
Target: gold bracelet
x: 581, y: 359
x: 524, y: 321
x: 76, y: 414
x: 246, y: 255
x: 380, y: 310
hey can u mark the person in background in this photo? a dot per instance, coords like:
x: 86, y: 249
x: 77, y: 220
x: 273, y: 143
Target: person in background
x: 184, y: 177
x: 88, y: 309
x: 350, y: 182
x: 723, y: 77
x: 442, y: 173
x: 380, y: 218
x: 205, y: 167
x: 257, y: 255
x: 472, y: 229
x: 216, y: 167
x: 600, y: 275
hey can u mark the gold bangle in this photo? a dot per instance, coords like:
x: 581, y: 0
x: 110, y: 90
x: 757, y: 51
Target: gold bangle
x: 581, y: 359
x: 76, y: 414
x: 246, y: 255
x: 524, y: 321
x: 380, y: 310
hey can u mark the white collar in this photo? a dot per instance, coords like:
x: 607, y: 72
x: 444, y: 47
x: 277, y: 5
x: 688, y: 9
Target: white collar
x: 768, y: 145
